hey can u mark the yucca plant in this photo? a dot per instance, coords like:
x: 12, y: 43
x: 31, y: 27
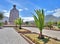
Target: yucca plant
x: 58, y: 24
x: 16, y: 22
x: 39, y: 21
x: 19, y: 21
x: 50, y: 24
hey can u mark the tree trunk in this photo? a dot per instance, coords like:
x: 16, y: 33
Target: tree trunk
x: 16, y: 25
x: 40, y: 35
x: 50, y: 28
x: 20, y: 27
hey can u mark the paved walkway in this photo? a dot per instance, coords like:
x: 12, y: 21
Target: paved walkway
x: 53, y: 34
x: 10, y: 36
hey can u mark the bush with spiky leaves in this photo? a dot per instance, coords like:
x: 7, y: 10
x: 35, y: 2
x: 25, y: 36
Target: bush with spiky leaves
x: 50, y: 24
x: 39, y: 21
x: 18, y: 21
x: 58, y: 24
x: 1, y: 23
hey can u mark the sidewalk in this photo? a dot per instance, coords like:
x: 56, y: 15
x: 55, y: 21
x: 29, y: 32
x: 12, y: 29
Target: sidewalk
x: 10, y: 36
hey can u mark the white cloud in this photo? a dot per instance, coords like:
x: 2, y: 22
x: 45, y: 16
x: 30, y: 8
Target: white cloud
x: 26, y: 8
x: 44, y: 9
x: 57, y: 12
x: 50, y: 11
x: 23, y: 9
x: 6, y: 13
x: 27, y: 19
x: 20, y: 9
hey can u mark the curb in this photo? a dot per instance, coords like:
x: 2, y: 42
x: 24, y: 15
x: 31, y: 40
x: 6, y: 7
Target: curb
x: 28, y: 40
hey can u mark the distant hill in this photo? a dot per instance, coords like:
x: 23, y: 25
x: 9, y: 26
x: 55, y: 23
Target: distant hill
x: 47, y: 18
x: 51, y: 18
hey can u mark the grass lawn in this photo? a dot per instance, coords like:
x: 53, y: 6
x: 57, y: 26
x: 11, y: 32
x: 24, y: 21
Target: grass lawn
x: 46, y: 40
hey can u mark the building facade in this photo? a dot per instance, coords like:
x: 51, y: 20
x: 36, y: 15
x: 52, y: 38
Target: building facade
x: 14, y: 14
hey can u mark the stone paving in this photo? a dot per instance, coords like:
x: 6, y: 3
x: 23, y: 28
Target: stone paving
x: 53, y: 34
x: 10, y: 36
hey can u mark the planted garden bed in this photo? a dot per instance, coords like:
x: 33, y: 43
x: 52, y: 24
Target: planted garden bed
x: 23, y: 31
x: 32, y: 36
x: 54, y: 28
x: 47, y: 40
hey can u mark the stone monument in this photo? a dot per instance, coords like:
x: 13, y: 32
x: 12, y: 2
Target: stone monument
x: 14, y: 14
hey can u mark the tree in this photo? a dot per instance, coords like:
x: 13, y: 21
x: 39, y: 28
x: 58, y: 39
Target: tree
x: 19, y: 21
x: 27, y: 22
x: 50, y: 24
x: 39, y: 21
x: 1, y: 17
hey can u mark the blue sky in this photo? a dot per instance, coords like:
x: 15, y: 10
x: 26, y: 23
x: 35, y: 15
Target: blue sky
x: 26, y: 7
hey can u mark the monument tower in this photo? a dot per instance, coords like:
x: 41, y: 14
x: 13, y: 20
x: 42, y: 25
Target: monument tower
x: 14, y: 14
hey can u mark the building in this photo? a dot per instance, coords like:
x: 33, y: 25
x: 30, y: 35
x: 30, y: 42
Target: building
x: 14, y: 14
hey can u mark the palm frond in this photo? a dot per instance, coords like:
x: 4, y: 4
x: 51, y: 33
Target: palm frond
x: 39, y: 19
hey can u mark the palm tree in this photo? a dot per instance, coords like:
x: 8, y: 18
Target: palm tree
x: 16, y: 22
x: 19, y: 21
x: 39, y: 21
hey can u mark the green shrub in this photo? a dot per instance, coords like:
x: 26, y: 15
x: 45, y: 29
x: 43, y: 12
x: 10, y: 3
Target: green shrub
x: 58, y: 24
x: 50, y: 24
x: 1, y: 23
x: 1, y: 16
